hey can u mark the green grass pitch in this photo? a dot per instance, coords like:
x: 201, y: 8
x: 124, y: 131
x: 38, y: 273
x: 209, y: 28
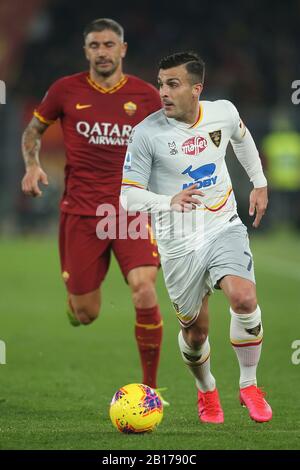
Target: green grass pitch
x: 57, y: 384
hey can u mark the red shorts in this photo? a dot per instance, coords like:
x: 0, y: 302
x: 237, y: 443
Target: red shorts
x: 85, y: 258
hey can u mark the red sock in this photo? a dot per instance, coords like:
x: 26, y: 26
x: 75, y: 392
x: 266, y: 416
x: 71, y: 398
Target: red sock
x: 148, y: 333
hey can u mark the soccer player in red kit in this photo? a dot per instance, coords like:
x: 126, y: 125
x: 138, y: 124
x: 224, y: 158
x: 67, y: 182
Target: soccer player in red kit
x: 97, y: 110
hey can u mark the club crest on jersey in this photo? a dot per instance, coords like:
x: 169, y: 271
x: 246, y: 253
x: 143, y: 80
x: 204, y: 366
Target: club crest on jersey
x: 130, y: 108
x: 194, y: 145
x: 216, y: 137
x: 202, y: 176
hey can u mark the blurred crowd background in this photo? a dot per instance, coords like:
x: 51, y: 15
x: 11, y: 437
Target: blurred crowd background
x: 251, y: 50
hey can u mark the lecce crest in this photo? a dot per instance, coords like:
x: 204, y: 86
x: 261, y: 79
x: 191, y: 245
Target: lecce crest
x: 216, y: 137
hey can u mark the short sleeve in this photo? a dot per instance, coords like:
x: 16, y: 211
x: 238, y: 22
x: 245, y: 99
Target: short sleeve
x: 138, y: 160
x: 51, y: 107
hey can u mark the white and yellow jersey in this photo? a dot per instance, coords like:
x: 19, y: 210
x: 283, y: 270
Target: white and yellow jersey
x: 165, y: 156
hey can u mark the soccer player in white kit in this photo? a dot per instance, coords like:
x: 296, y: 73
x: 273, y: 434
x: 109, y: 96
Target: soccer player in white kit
x: 175, y: 168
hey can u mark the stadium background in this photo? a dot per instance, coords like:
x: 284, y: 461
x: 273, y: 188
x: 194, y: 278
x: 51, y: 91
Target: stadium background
x: 57, y: 383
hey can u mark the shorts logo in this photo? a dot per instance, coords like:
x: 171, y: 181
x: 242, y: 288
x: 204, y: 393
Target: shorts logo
x: 130, y: 108
x: 65, y: 276
x: 194, y: 145
x: 216, y: 137
x: 201, y: 175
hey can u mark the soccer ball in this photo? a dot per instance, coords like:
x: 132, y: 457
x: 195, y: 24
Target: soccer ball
x: 136, y: 408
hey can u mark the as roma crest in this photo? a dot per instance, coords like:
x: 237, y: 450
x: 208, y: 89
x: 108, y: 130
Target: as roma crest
x: 130, y: 108
x: 216, y: 137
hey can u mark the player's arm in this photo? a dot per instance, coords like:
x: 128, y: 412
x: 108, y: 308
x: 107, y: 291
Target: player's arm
x: 31, y: 144
x: 246, y: 151
x: 46, y: 114
x: 135, y: 196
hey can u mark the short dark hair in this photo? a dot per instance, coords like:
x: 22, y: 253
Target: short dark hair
x: 195, y: 66
x: 104, y: 23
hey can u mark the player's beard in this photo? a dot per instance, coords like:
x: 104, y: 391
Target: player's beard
x: 106, y: 73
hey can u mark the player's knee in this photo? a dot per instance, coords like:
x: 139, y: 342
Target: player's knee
x: 243, y: 302
x: 87, y: 314
x: 143, y: 293
x: 197, y: 337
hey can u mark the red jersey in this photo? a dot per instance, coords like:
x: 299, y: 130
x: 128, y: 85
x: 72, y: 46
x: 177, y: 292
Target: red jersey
x: 96, y: 124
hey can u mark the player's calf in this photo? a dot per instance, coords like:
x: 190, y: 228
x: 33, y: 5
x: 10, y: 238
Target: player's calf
x: 149, y: 325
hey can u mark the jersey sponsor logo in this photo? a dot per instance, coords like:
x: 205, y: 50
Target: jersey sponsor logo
x: 83, y: 106
x: 104, y: 133
x: 194, y: 145
x: 130, y: 108
x: 202, y: 176
x: 216, y: 137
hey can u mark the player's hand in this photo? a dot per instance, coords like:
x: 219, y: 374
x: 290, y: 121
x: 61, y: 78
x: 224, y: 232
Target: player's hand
x: 258, y: 204
x: 184, y: 201
x: 30, y: 182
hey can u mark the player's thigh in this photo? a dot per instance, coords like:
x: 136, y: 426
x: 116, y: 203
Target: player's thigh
x: 187, y: 282
x: 84, y: 258
x: 230, y: 255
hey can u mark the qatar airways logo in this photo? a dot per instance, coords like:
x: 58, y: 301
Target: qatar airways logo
x: 104, y: 133
x: 194, y: 145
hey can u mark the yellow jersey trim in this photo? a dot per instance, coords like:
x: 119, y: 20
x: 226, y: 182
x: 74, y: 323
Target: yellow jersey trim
x: 221, y: 203
x: 111, y: 90
x: 132, y: 183
x: 199, y: 118
x: 42, y: 119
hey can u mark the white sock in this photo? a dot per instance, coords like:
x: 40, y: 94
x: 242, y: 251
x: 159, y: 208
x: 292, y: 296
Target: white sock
x: 198, y: 361
x: 246, y: 333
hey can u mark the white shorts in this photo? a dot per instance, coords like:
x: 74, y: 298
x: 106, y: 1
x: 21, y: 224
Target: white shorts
x: 190, y: 277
